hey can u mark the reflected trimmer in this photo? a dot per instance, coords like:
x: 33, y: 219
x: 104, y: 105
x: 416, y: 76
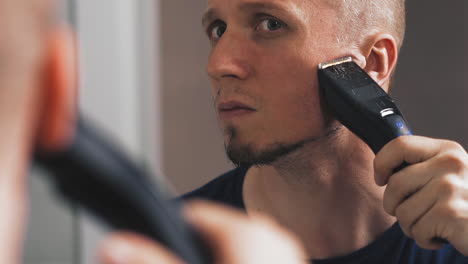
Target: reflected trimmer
x: 361, y: 105
x: 95, y: 174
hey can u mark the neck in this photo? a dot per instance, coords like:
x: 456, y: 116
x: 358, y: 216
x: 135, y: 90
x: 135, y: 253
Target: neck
x: 328, y: 196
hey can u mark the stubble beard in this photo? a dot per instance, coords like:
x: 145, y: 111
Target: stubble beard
x: 246, y: 155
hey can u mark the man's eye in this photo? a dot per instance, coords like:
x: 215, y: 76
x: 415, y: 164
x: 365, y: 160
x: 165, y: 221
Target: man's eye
x: 217, y: 31
x: 270, y: 24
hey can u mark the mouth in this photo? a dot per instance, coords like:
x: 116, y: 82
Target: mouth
x: 234, y: 109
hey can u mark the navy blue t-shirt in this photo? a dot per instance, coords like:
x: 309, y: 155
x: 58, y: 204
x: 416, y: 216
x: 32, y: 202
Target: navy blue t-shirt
x: 392, y: 247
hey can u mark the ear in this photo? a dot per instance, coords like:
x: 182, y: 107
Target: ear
x: 57, y: 126
x: 381, y: 59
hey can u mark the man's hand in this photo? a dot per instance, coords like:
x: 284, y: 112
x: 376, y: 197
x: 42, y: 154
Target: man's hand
x: 234, y: 238
x: 430, y: 196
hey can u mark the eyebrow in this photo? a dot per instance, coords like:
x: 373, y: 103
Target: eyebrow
x: 210, y: 14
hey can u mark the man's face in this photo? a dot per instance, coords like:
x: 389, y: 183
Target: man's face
x: 263, y: 68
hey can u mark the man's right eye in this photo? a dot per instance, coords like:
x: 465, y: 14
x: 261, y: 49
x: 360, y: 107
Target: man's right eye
x: 217, y: 31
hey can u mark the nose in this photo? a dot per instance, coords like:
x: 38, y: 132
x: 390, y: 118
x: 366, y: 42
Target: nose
x: 229, y: 58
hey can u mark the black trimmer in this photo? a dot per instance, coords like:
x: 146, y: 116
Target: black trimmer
x: 360, y: 104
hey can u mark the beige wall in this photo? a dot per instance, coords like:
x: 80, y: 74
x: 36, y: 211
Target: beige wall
x: 431, y: 81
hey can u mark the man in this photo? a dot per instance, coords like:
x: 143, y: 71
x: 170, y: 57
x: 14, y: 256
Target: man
x: 37, y: 109
x: 299, y: 165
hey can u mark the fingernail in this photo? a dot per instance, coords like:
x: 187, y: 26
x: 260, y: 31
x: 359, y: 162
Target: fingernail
x: 120, y: 252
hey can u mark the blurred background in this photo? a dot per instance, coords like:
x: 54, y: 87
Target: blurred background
x: 142, y: 78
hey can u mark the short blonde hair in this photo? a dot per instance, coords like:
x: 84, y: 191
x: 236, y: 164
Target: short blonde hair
x: 360, y: 17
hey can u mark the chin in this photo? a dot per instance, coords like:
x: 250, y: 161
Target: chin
x: 251, y: 152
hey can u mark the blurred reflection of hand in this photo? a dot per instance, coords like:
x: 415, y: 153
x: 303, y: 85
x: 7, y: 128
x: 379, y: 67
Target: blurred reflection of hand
x: 234, y: 238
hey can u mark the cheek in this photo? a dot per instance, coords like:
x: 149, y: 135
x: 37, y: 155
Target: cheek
x: 293, y: 97
x: 297, y: 110
x: 292, y: 113
x: 214, y: 89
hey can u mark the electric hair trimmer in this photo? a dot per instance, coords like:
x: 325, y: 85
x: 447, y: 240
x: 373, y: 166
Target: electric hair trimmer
x: 98, y: 176
x: 361, y: 105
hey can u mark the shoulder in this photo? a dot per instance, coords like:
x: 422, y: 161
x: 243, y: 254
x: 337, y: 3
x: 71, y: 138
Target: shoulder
x: 226, y: 188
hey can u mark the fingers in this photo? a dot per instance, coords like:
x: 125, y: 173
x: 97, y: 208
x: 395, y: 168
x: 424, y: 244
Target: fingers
x: 430, y: 196
x: 439, y: 210
x: 447, y: 219
x: 233, y: 237
x: 409, y: 149
x: 410, y: 211
x: 429, y: 227
x: 238, y: 239
x: 405, y: 183
x: 127, y: 248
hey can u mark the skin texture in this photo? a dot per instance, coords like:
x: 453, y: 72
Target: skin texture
x: 249, y: 62
x: 257, y: 67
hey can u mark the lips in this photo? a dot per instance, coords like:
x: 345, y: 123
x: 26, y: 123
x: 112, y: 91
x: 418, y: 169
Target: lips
x: 233, y: 105
x: 232, y: 109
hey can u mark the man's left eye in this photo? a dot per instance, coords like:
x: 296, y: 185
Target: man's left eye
x: 270, y: 24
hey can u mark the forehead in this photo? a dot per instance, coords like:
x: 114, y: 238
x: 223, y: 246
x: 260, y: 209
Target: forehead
x: 247, y: 3
x: 227, y: 7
